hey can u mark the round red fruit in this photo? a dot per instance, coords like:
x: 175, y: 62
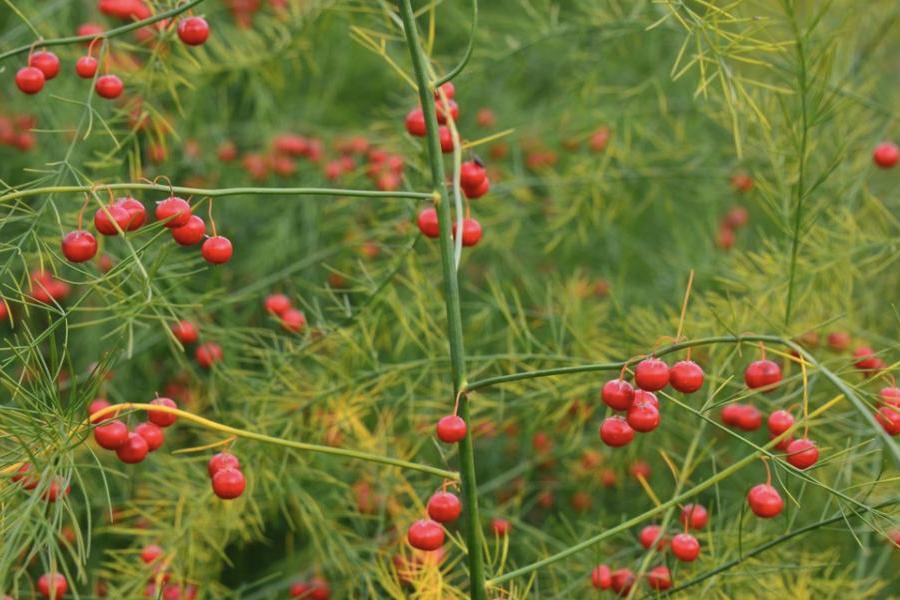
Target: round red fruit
x: 137, y: 214
x: 208, y: 354
x: 190, y: 233
x: 86, y: 67
x: 448, y: 89
x: 471, y: 174
x: 228, y: 484
x: 651, y: 374
x: 293, y: 320
x: 765, y: 501
x: 57, y: 486
x: 112, y: 436
x: 174, y: 211
x: 471, y: 234
x: 109, y: 87
x: 425, y: 535
x: 686, y: 376
x: 277, y: 304
x: 222, y: 460
x: 52, y: 585
x: 622, y: 582
x: 780, y: 421
x: 694, y: 516
x: 749, y: 418
x: 134, y: 450
x: 453, y: 112
x: 110, y: 219
x: 217, y: 250
x: 30, y: 80
x: 428, y: 223
x: 659, y: 579
x: 444, y: 507
x: 643, y: 417
x: 889, y: 396
x: 685, y: 547
x: 762, y: 374
x: 79, y: 246
x: 193, y: 31
x: 651, y: 536
x: 451, y: 429
x: 150, y: 553
x: 886, y: 155
x: 446, y: 138
x: 802, y: 453
x: 161, y: 418
x: 889, y: 419
x: 618, y: 394
x: 152, y: 434
x: 185, y: 332
x: 601, y: 577
x: 47, y: 62
x: 415, y: 122
x: 616, y: 432
x: 500, y: 526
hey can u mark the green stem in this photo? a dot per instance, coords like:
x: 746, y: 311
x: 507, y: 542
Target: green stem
x: 214, y: 193
x: 77, y: 39
x: 468, y: 54
x: 454, y: 315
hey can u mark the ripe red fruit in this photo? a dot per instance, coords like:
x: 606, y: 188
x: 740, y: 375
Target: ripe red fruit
x: 762, y: 374
x: 643, y: 417
x: 651, y: 374
x: 151, y: 553
x: 451, y: 429
x: 86, y: 67
x: 601, y: 578
x: 111, y: 436
x: 28, y: 483
x: 449, y: 91
x: 802, y: 453
x: 659, y: 578
x: 160, y: 418
x: 652, y: 535
x: 886, y: 155
x: 425, y: 535
x: 453, y: 112
x: 30, y: 80
x: 57, y: 486
x: 694, y: 516
x: 228, y: 484
x: 685, y: 547
x: 52, y: 585
x: 415, y: 122
x: 731, y: 414
x: 428, y: 223
x: 471, y: 174
x: 839, y: 340
x: 780, y: 421
x: 174, y: 211
x: 471, y: 234
x: 109, y: 87
x: 477, y: 192
x: 97, y: 405
x: 867, y: 359
x: 618, y: 394
x: 277, y: 304
x: 185, y: 332
x: 190, y: 233
x: 293, y: 320
x: 444, y: 507
x: 134, y: 450
x: 646, y: 398
x: 765, y: 501
x: 749, y: 418
x: 193, y: 31
x: 222, y: 460
x: 622, y: 582
x: 79, y: 246
x: 616, y: 432
x: 137, y: 214
x: 217, y: 250
x: 500, y: 526
x: 446, y: 138
x: 110, y: 219
x: 686, y: 376
x: 207, y: 354
x: 47, y: 62
x: 889, y: 419
x: 152, y: 434
x: 319, y: 589
x: 889, y: 396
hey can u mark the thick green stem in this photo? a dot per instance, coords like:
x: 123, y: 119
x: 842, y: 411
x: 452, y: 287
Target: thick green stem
x: 451, y: 290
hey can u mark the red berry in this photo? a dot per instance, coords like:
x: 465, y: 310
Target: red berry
x: 97, y: 405
x: 839, y: 340
x: 659, y: 578
x: 86, y: 67
x: 762, y: 374
x: 175, y: 211
x: 428, y: 223
x: 217, y: 250
x: 152, y: 434
x: 886, y: 155
x: 134, y: 450
x: 222, y: 460
x: 686, y: 376
x: 471, y: 232
x: 160, y: 418
x: 622, y: 582
x: 444, y: 507
x: 618, y: 394
x: 643, y: 417
x: 867, y: 359
x: 765, y: 501
x: 616, y: 432
x: 228, y: 484
x: 47, y: 62
x: 30, y: 80
x: 112, y: 436
x: 185, y: 332
x: 415, y: 122
x: 109, y: 87
x: 802, y: 453
x: 731, y: 414
x: 293, y: 320
x: 890, y: 396
x: 471, y: 174
x: 500, y: 526
x: 190, y: 233
x: 652, y: 535
x: 780, y: 421
x: 28, y: 483
x: 651, y: 374
x: 193, y: 31
x: 425, y: 535
x: 889, y: 418
x: 454, y: 111
x: 79, y: 246
x: 151, y: 553
x: 277, y: 304
x: 52, y: 585
x: 749, y: 418
x: 685, y: 547
x: 137, y: 214
x: 449, y: 91
x: 451, y: 429
x: 477, y: 192
x: 646, y: 398
x: 694, y: 516
x: 56, y: 486
x: 601, y: 578
x: 446, y: 138
x: 110, y: 219
x: 207, y: 354
x: 319, y: 589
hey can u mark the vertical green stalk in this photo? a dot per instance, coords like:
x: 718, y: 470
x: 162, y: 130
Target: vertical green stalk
x: 451, y: 290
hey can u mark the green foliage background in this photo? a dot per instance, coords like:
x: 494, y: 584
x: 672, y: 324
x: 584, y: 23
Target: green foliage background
x: 795, y: 93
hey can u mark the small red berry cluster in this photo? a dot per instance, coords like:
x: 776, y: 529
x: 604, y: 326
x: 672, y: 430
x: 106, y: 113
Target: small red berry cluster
x: 206, y: 354
x: 279, y: 305
x: 733, y: 220
x: 428, y: 534
x: 227, y: 478
x: 316, y: 588
x: 153, y: 555
x: 16, y: 131
x: 132, y: 447
x: 58, y: 486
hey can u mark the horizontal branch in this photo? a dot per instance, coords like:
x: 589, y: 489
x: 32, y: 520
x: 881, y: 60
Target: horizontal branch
x: 267, y: 439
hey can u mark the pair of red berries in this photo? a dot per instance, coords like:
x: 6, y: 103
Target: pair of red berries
x: 279, y: 305
x: 415, y: 119
x: 132, y: 447
x: 428, y: 225
x: 801, y: 453
x: 314, y: 589
x: 42, y: 67
x: 622, y: 580
x: 473, y: 179
x: 227, y: 478
x: 58, y: 487
x: 685, y: 547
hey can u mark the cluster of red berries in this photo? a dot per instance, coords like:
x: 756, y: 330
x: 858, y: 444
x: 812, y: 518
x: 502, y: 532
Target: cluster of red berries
x: 314, y: 589
x: 58, y: 487
x: 46, y: 289
x: 129, y: 214
x: 227, y: 478
x: 473, y: 179
x: 16, y: 131
x: 153, y: 555
x: 206, y: 354
x: 428, y: 534
x: 132, y: 447
x: 279, y: 305
x: 733, y: 220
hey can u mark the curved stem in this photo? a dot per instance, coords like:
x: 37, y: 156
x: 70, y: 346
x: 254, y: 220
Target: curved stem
x: 268, y: 439
x: 216, y: 193
x: 468, y: 54
x: 451, y: 289
x: 76, y: 39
